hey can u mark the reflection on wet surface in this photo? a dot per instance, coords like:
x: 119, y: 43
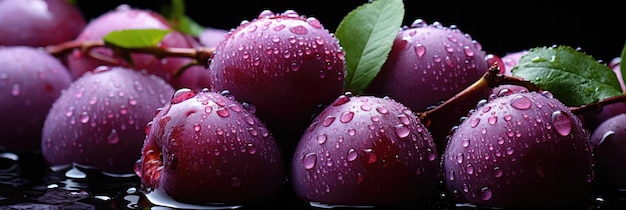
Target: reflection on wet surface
x: 27, y: 183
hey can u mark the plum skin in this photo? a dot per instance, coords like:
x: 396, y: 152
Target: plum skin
x: 39, y: 23
x: 365, y: 151
x: 608, y: 148
x: 99, y: 120
x: 204, y: 147
x: 30, y: 81
x: 521, y: 150
x: 285, y: 65
x: 429, y: 64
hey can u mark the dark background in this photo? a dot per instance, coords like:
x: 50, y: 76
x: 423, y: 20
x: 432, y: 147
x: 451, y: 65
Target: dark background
x: 596, y: 27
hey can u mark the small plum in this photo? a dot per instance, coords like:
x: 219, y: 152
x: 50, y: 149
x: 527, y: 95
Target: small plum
x: 428, y: 64
x: 609, y: 148
x: 285, y: 64
x: 366, y: 151
x: 30, y: 81
x: 205, y: 147
x: 121, y: 18
x: 98, y: 122
x: 519, y: 150
x: 39, y: 23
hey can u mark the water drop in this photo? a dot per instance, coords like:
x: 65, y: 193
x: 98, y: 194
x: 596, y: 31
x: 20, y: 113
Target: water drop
x: 328, y: 120
x: 497, y: 172
x: 308, y: 161
x: 402, y: 131
x: 420, y: 50
x: 474, y: 122
x: 113, y: 138
x: 485, y: 193
x: 465, y: 143
x: 352, y: 154
x: 222, y: 112
x: 370, y: 156
x: 562, y: 123
x: 521, y: 102
x: 321, y: 138
x: 182, y: 94
x: 299, y: 30
x: 346, y: 116
x: 84, y: 117
x: 15, y: 91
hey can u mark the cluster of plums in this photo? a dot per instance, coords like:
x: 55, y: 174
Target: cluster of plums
x: 271, y: 110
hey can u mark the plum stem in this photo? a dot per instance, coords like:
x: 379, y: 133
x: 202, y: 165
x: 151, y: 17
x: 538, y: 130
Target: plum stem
x: 599, y: 104
x: 200, y: 55
x: 492, y: 78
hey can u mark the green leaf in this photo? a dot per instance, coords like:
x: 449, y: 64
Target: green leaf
x: 186, y: 25
x: 175, y: 14
x: 571, y: 76
x: 366, y: 34
x: 622, y: 66
x: 136, y: 38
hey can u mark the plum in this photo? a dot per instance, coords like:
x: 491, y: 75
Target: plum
x: 609, y: 146
x: 30, y: 81
x: 126, y: 17
x: 205, y: 147
x: 286, y: 65
x: 39, y: 23
x: 99, y: 121
x: 521, y: 150
x: 429, y: 64
x: 365, y: 151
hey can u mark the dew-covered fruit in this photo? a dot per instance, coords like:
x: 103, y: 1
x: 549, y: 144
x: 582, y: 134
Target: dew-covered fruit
x: 99, y: 120
x: 125, y: 17
x: 284, y: 64
x: 428, y: 64
x: 609, y: 148
x: 30, y: 81
x: 39, y: 23
x: 365, y: 151
x: 522, y: 150
x: 205, y: 147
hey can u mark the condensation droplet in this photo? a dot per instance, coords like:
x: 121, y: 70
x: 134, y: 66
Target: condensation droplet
x: 113, y: 138
x: 521, y: 102
x: 346, y: 116
x: 402, y: 131
x: 321, y: 138
x: 562, y: 123
x: 485, y: 193
x: 308, y: 161
x: 352, y: 154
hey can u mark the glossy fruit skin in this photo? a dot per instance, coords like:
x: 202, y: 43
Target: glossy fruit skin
x: 284, y: 64
x: 428, y: 64
x: 609, y: 144
x: 30, y: 82
x: 522, y: 150
x: 126, y: 17
x: 39, y: 23
x: 205, y: 147
x: 99, y: 120
x: 365, y: 151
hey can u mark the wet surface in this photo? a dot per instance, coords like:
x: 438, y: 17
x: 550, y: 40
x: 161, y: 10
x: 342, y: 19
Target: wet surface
x: 27, y: 183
